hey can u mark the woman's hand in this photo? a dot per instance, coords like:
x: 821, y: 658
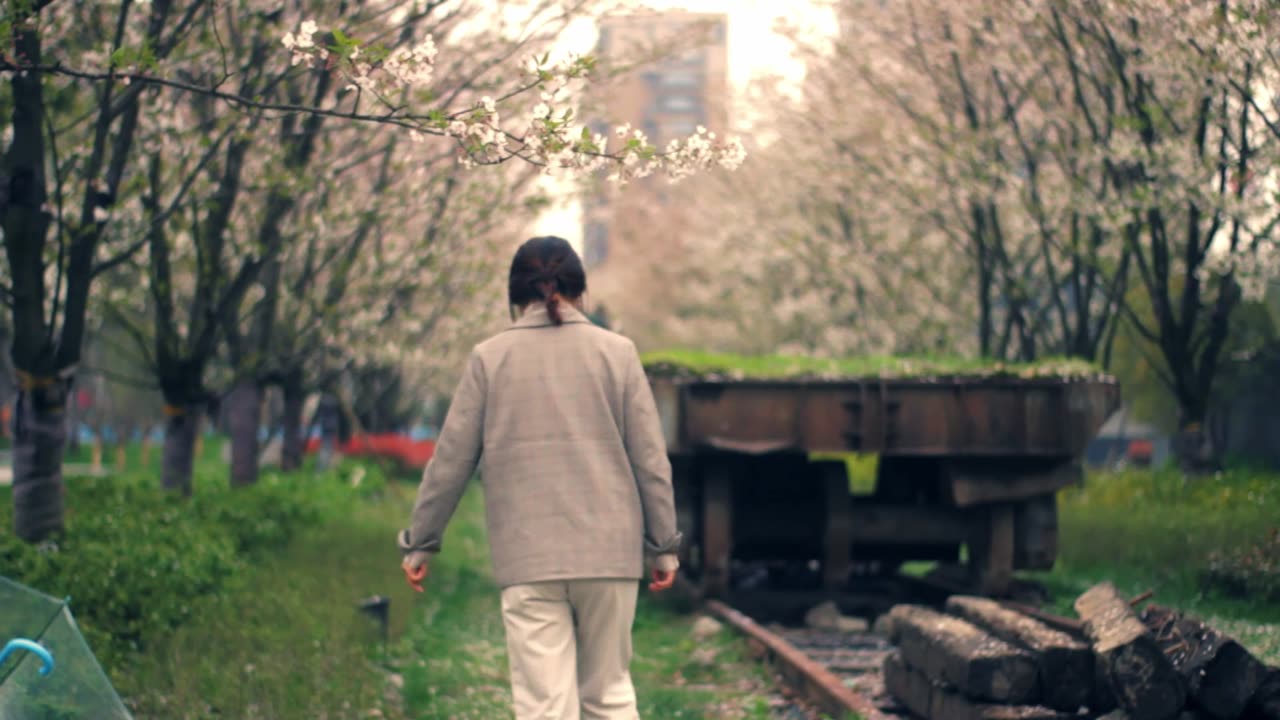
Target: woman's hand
x: 662, y: 580
x: 415, y: 566
x: 663, y: 568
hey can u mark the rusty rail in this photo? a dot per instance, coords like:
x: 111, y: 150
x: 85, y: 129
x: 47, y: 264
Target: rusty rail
x: 814, y: 682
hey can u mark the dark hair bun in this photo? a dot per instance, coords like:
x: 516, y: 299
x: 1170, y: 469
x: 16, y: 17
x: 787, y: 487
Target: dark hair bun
x: 546, y: 269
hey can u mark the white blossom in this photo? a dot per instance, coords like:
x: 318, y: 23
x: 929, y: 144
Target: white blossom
x: 483, y: 134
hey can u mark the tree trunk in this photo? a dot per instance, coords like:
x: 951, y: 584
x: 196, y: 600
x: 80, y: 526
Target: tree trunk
x: 292, y: 442
x: 1193, y: 446
x: 244, y: 416
x: 39, y: 440
x: 72, y: 422
x: 181, y: 428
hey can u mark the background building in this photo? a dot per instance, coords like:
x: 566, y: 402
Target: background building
x: 669, y: 75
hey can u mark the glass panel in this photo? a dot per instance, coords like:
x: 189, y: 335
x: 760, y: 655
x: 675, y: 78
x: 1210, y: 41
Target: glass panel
x: 26, y: 612
x: 678, y: 103
x: 679, y: 129
x: 681, y: 78
x: 76, y: 688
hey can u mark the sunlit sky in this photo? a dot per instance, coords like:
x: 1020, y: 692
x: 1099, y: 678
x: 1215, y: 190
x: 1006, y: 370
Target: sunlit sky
x: 755, y: 51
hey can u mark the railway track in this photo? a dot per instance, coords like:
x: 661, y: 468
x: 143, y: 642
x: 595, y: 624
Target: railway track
x: 837, y: 673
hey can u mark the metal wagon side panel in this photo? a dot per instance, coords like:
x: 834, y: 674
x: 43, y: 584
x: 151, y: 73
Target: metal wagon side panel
x: 1032, y: 418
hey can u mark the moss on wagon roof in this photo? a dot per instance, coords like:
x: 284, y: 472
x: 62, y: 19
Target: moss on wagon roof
x: 699, y: 364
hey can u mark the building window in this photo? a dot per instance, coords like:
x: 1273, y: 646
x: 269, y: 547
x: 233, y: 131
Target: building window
x: 595, y: 243
x: 717, y: 33
x: 678, y: 129
x: 678, y: 103
x: 681, y: 79
x: 692, y: 58
x: 602, y: 44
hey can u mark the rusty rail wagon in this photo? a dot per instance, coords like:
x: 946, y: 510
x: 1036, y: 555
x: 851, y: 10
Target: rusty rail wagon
x: 964, y: 462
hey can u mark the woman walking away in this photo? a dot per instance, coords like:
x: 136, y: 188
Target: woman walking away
x: 559, y: 417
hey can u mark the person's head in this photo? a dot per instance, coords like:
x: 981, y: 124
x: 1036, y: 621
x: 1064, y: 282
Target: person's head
x: 546, y: 270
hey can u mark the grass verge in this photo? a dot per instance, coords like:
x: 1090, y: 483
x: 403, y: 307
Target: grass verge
x: 234, y: 602
x: 454, y: 654
x: 696, y: 363
x: 142, y: 457
x: 1176, y: 535
x: 289, y: 642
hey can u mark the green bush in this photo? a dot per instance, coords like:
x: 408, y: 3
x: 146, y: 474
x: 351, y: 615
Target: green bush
x: 135, y: 560
x: 697, y: 363
x: 1201, y: 542
x: 1252, y: 570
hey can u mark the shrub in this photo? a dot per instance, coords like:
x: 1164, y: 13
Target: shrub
x: 1199, y: 541
x: 135, y: 560
x: 1251, y: 571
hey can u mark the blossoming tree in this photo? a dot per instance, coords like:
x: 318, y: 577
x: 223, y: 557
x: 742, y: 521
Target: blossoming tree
x: 364, y: 287
x: 1071, y: 153
x: 798, y: 251
x: 94, y: 76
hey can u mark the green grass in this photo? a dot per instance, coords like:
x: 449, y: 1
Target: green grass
x: 285, y: 641
x: 136, y: 561
x: 680, y: 676
x: 280, y: 636
x: 233, y: 603
x: 210, y: 447
x: 696, y: 363
x: 289, y: 643
x: 454, y: 654
x: 1162, y: 531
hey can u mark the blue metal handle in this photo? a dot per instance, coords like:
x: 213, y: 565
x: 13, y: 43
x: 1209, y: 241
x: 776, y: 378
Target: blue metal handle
x: 35, y: 649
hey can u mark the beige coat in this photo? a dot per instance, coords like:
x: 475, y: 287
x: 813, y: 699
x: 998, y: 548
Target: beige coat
x: 562, y: 424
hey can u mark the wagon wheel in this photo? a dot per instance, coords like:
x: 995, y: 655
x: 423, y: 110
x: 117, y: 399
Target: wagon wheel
x: 991, y: 549
x: 685, y: 488
x: 717, y: 526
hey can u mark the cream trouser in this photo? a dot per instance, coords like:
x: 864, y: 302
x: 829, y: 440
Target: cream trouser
x: 569, y: 645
